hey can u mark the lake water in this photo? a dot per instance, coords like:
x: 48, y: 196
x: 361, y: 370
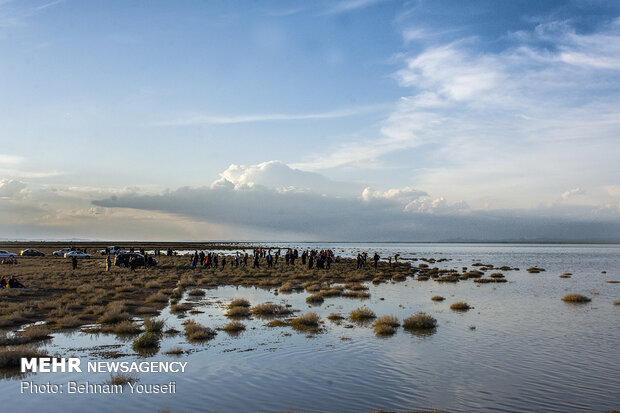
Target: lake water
x: 519, y: 349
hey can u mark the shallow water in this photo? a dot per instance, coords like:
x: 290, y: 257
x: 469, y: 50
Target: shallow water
x: 529, y: 351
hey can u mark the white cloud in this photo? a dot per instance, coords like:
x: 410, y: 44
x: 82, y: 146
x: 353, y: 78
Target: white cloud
x: 573, y: 192
x: 402, y: 195
x: 10, y: 189
x: 199, y: 119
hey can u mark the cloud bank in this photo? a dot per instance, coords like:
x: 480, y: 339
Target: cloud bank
x: 252, y: 197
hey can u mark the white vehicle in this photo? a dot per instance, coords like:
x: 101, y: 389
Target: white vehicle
x: 61, y: 253
x: 77, y: 254
x: 6, y: 254
x: 113, y: 250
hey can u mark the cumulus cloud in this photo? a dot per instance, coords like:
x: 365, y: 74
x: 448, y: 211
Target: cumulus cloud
x: 573, y: 192
x: 279, y: 176
x: 10, y: 189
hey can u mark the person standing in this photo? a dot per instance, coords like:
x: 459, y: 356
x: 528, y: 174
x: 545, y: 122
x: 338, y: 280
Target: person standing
x: 74, y: 262
x: 108, y: 263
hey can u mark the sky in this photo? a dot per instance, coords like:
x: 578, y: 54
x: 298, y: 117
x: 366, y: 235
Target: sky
x: 350, y: 120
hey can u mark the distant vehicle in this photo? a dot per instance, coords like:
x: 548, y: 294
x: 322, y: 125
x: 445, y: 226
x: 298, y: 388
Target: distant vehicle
x: 77, y: 254
x: 124, y: 259
x: 30, y: 252
x: 61, y: 253
x: 113, y: 250
x: 6, y: 254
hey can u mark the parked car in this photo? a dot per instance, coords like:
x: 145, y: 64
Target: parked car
x: 6, y: 254
x: 77, y: 254
x: 124, y: 259
x: 113, y: 250
x: 61, y: 253
x: 30, y: 252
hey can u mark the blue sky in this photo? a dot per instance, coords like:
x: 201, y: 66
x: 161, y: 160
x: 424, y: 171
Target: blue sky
x: 432, y: 119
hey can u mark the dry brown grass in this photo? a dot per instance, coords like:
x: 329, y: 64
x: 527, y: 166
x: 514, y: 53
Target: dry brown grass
x: 270, y: 309
x: 419, y: 321
x: 146, y: 341
x: 234, y: 326
x: 176, y: 351
x: 460, y: 306
x: 126, y: 327
x: 362, y: 313
x: 153, y: 325
x: 239, y: 302
x: 315, y: 298
x: 238, y: 312
x: 197, y: 332
x: 36, y: 332
x: 575, y: 298
x: 335, y: 317
x: 437, y: 298
x: 121, y: 379
x: 305, y: 321
x: 10, y: 358
x: 386, y: 325
x: 197, y: 292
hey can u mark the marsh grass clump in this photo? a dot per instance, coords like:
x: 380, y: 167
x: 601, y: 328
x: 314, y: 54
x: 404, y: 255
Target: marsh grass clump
x: 355, y: 286
x: 437, y: 298
x: 126, y: 327
x: 10, y: 358
x: 361, y: 294
x: 238, y: 312
x: 36, y: 332
x: 270, y: 309
x: 316, y: 298
x: 575, y: 298
x: 419, y: 321
x: 386, y: 325
x: 335, y: 317
x: 277, y: 323
x: 239, y: 302
x: 617, y: 302
x: 535, y: 270
x: 68, y: 321
x: 197, y: 292
x: 180, y: 308
x: 146, y: 341
x: 198, y: 332
x: 565, y: 276
x: 153, y: 325
x: 497, y: 275
x: 234, y: 326
x: 175, y: 351
x: 305, y: 321
x: 362, y: 313
x: 121, y: 379
x: 460, y: 306
x: 114, y: 314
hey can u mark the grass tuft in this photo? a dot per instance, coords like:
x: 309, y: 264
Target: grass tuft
x: 460, y: 306
x: 420, y: 321
x: 575, y: 298
x: 234, y: 326
x: 198, y: 332
x: 362, y: 313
